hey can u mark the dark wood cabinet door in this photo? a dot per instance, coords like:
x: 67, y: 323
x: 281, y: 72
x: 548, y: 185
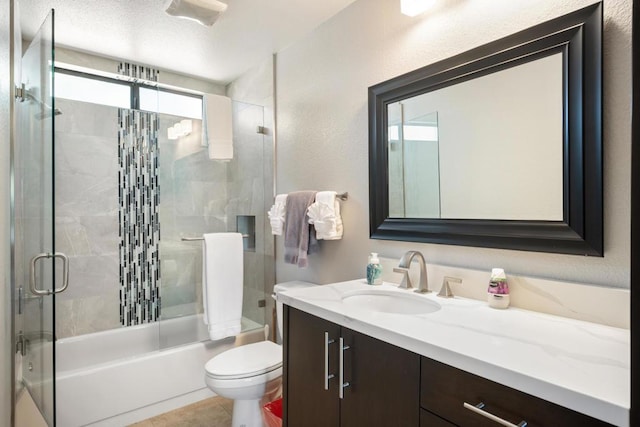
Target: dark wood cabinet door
x: 383, y: 386
x: 306, y: 402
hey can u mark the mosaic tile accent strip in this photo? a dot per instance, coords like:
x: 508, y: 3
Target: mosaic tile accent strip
x: 138, y: 71
x: 139, y: 208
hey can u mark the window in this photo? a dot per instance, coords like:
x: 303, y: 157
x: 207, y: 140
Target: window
x: 166, y: 102
x: 85, y: 87
x: 96, y: 91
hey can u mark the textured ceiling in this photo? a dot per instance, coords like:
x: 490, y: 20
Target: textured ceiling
x: 139, y: 31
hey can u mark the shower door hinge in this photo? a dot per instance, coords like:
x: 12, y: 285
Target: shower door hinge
x: 262, y: 303
x: 20, y: 92
x: 21, y: 344
x: 262, y: 130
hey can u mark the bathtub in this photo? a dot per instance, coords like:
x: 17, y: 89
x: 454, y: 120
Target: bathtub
x: 118, y: 377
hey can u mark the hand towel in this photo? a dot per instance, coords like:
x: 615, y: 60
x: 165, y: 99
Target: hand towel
x: 222, y: 283
x: 218, y: 126
x: 277, y: 214
x: 324, y: 214
x: 298, y: 240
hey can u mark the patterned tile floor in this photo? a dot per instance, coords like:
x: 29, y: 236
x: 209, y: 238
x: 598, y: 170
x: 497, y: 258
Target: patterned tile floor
x: 213, y: 412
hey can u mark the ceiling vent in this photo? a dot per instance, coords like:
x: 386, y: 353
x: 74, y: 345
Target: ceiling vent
x: 205, y: 12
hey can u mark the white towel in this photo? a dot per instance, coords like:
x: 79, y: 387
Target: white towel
x: 218, y: 126
x: 324, y: 214
x: 277, y: 214
x: 222, y: 283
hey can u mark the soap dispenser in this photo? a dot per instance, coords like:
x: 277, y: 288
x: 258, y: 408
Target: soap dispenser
x: 498, y: 292
x: 374, y: 270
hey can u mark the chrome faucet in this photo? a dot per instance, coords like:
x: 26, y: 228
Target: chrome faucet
x: 403, y: 267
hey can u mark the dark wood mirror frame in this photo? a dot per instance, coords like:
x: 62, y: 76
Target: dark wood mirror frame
x: 578, y: 36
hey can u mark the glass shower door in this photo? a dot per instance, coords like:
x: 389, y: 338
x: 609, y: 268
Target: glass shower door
x: 34, y: 226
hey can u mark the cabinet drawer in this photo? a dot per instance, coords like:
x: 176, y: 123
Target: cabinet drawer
x: 427, y: 419
x: 445, y: 389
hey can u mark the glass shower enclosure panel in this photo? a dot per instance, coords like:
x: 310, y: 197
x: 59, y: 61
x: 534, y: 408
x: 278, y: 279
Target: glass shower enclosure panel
x: 203, y: 195
x: 34, y: 265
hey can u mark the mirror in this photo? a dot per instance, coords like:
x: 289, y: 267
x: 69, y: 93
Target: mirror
x: 500, y: 146
x: 505, y: 162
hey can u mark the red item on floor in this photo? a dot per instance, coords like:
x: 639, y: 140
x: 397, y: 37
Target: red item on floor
x: 272, y: 413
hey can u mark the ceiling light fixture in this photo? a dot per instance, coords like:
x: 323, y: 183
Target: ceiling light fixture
x: 415, y: 7
x: 205, y: 12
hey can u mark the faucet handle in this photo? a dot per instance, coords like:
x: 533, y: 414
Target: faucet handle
x: 445, y: 290
x: 406, y: 281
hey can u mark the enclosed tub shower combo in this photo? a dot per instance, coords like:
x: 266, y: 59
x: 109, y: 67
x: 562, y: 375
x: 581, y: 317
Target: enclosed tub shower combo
x: 118, y: 192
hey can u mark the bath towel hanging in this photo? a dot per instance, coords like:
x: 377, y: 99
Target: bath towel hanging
x: 324, y: 214
x: 217, y: 126
x: 222, y: 283
x: 298, y: 240
x: 277, y: 215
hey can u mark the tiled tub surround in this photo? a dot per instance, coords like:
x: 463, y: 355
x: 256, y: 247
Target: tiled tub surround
x: 86, y: 209
x: 582, y: 366
x: 198, y: 195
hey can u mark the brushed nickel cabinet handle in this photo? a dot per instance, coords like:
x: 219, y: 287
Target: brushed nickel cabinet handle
x: 478, y: 410
x: 342, y: 384
x: 327, y: 375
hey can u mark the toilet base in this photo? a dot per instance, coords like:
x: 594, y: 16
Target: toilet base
x: 247, y: 413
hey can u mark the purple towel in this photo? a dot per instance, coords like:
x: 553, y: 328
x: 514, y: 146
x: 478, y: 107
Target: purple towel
x: 298, y: 240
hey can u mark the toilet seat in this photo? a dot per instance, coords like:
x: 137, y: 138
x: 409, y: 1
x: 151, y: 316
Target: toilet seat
x: 246, y: 361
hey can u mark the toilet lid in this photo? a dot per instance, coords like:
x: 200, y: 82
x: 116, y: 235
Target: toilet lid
x: 246, y: 361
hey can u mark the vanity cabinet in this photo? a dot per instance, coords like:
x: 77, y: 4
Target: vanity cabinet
x: 389, y: 386
x: 380, y: 380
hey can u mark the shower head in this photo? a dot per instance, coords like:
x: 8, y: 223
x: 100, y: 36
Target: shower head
x: 48, y: 112
x: 205, y: 12
x: 45, y: 109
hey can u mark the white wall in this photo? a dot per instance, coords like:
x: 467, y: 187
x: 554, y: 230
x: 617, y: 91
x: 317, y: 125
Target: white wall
x: 5, y: 292
x: 321, y: 98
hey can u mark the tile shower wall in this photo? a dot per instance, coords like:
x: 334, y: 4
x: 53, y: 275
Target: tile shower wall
x: 86, y: 209
x: 198, y: 195
x: 89, y: 233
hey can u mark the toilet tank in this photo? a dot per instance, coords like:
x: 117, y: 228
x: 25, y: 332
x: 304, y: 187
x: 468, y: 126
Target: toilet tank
x: 283, y: 287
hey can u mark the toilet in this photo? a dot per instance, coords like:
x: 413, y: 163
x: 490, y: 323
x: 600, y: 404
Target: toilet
x: 250, y: 372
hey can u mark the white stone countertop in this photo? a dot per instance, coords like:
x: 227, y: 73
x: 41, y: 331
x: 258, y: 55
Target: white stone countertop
x: 579, y: 365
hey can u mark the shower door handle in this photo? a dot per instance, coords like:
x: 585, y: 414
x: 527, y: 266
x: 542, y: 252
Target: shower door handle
x: 65, y: 274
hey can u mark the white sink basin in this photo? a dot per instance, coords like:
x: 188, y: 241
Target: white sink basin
x: 391, y: 302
